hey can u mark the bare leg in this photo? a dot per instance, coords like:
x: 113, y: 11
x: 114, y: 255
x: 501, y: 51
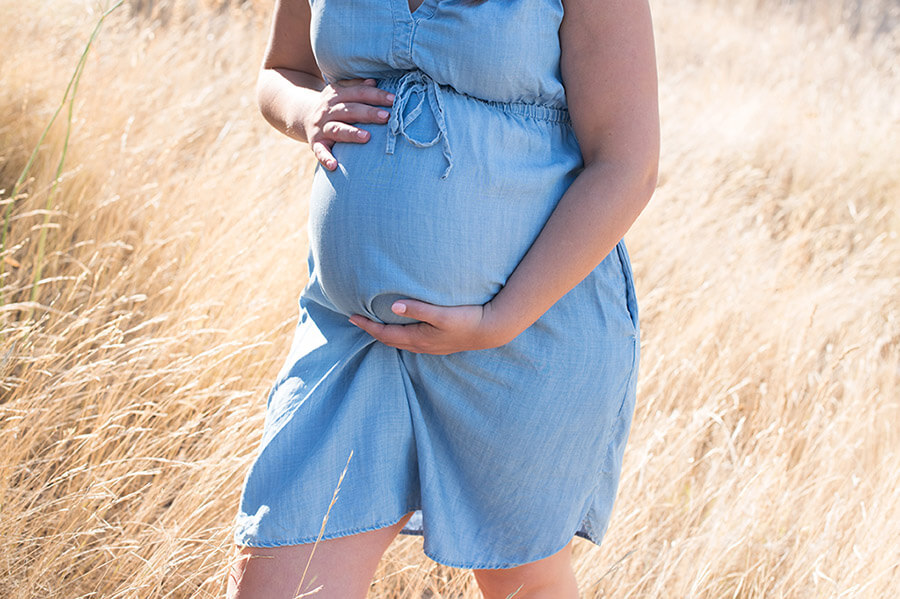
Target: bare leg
x: 340, y: 568
x: 548, y: 578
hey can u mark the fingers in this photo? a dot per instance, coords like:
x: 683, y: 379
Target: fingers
x: 357, y: 112
x: 322, y: 151
x: 338, y: 131
x: 353, y: 81
x: 401, y: 337
x: 337, y: 128
x: 346, y: 102
x: 364, y: 91
x: 440, y: 330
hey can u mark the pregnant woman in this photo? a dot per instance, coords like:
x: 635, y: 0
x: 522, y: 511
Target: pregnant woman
x: 465, y: 358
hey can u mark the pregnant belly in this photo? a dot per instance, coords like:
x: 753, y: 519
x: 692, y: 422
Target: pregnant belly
x: 385, y: 226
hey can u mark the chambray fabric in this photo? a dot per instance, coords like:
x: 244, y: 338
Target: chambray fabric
x: 506, y: 453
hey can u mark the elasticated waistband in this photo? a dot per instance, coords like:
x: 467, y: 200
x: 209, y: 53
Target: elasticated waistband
x: 543, y: 112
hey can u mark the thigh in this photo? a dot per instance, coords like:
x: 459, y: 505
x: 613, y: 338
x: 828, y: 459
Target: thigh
x: 548, y: 578
x: 340, y: 568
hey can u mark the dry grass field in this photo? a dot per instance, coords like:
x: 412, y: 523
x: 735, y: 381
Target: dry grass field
x: 147, y: 299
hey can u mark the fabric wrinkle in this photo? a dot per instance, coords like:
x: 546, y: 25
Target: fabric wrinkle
x: 503, y: 454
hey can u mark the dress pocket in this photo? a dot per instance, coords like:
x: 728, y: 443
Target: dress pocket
x: 630, y: 296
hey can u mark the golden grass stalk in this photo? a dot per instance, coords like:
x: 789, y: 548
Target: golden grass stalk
x: 72, y: 87
x: 763, y: 457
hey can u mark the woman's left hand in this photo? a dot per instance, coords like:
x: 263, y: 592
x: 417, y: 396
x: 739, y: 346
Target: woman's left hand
x: 441, y: 330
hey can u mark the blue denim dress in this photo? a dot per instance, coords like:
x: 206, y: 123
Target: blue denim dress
x: 506, y: 453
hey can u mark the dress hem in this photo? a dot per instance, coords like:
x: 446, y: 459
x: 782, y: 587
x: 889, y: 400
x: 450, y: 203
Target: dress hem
x: 327, y: 536
x: 429, y: 554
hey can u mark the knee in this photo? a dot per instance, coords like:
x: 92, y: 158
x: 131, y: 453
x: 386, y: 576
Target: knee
x: 549, y: 578
x: 494, y: 586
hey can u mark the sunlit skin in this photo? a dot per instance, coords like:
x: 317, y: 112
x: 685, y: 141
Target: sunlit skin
x: 609, y: 70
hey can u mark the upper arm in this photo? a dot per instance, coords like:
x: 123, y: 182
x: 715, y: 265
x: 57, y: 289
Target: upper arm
x: 608, y: 67
x: 289, y: 43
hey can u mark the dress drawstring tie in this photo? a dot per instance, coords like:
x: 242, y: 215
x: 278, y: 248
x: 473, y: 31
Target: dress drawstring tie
x: 418, y: 82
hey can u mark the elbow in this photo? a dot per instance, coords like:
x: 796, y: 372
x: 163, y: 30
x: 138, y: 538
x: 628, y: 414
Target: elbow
x: 635, y: 177
x: 642, y: 170
x: 263, y: 94
x: 635, y: 171
x: 649, y: 179
x: 266, y: 99
x: 649, y: 167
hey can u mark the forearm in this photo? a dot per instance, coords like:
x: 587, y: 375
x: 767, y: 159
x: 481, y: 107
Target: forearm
x: 608, y: 64
x: 591, y: 217
x: 285, y: 97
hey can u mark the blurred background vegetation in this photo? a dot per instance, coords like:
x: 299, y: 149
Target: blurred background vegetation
x: 138, y: 339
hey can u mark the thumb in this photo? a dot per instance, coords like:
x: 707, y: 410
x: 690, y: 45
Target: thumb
x: 418, y: 310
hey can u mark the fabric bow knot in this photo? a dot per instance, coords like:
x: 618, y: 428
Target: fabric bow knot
x: 412, y: 83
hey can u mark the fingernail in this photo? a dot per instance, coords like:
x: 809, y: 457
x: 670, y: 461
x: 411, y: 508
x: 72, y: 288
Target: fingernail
x: 383, y: 114
x: 399, y: 308
x: 390, y: 97
x: 353, y: 322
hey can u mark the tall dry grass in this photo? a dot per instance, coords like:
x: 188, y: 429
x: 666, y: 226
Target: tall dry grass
x: 766, y: 443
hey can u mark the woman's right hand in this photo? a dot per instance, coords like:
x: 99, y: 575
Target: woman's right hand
x: 344, y: 102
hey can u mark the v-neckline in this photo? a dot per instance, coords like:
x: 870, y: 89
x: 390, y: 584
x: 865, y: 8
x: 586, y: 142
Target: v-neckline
x: 421, y: 11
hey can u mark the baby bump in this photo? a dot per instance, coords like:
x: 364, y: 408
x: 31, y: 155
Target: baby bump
x: 387, y: 225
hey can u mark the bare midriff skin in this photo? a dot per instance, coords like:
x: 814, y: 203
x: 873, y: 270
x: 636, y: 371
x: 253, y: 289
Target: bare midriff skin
x: 608, y: 66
